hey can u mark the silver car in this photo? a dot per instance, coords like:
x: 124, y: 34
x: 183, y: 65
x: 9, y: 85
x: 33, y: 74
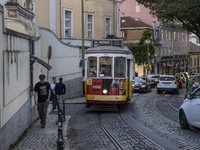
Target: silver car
x: 190, y: 110
x: 167, y: 83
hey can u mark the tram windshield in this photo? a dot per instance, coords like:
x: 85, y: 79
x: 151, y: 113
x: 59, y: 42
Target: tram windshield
x: 105, y: 67
x: 105, y: 64
x: 92, y: 67
x: 120, y: 67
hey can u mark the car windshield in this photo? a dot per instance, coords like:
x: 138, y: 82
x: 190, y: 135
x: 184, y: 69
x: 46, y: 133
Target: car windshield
x: 140, y: 80
x: 167, y: 78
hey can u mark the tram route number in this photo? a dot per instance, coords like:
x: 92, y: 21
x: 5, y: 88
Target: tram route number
x: 89, y: 81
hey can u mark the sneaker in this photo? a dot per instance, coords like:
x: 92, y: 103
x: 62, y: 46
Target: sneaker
x: 43, y: 126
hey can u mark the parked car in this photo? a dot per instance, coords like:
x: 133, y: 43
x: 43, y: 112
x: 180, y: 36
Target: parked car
x: 167, y: 83
x: 190, y: 109
x: 154, y: 78
x: 141, y: 84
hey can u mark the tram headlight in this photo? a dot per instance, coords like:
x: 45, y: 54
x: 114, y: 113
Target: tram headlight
x: 105, y: 91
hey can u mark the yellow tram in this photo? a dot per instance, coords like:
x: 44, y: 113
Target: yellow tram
x: 109, y: 70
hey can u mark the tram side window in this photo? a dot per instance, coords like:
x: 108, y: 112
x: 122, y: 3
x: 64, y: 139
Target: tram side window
x: 120, y: 67
x: 105, y: 66
x: 92, y: 67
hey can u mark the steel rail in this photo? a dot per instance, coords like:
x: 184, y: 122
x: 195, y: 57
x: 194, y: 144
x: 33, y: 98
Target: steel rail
x: 155, y: 104
x: 141, y: 134
x: 109, y: 135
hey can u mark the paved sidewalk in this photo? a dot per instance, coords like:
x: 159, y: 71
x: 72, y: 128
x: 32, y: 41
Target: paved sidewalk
x: 46, y: 139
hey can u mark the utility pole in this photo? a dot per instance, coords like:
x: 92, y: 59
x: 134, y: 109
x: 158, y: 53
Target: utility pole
x: 82, y: 28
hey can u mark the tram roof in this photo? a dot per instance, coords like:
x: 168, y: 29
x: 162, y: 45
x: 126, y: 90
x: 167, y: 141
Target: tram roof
x: 108, y: 49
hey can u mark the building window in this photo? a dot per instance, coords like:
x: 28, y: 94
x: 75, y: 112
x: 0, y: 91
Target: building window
x: 162, y: 36
x: 89, y: 26
x: 68, y: 23
x: 108, y: 26
x: 137, y: 8
x: 174, y: 35
x: 166, y: 35
x: 183, y: 36
x: 195, y: 62
x: 169, y: 35
x: 178, y: 34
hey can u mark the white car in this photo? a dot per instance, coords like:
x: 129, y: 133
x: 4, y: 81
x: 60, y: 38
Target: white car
x: 167, y: 83
x: 189, y: 112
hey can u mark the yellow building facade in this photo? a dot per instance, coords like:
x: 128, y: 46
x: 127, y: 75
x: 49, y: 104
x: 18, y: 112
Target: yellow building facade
x: 64, y: 17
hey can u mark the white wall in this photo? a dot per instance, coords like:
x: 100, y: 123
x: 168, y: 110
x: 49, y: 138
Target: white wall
x: 16, y: 77
x: 65, y: 59
x: 2, y: 47
x: 2, y: 2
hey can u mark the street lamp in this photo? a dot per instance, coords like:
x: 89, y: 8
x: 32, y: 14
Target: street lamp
x: 148, y: 61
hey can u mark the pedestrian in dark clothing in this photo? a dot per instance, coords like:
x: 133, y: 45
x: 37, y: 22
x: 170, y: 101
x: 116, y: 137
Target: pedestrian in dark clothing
x: 53, y: 94
x: 60, y: 91
x: 42, y: 91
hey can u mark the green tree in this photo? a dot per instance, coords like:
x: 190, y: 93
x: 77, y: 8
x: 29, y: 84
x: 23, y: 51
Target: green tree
x: 186, y: 12
x: 140, y: 50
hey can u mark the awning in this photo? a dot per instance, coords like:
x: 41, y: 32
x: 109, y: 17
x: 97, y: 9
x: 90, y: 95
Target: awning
x: 40, y: 61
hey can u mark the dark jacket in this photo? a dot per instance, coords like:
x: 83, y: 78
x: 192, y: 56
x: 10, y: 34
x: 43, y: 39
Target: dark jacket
x: 60, y: 88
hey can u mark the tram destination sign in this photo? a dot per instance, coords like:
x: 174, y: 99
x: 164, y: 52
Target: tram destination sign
x: 108, y: 42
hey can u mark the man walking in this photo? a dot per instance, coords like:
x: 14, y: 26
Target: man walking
x: 60, y: 90
x: 42, y: 91
x: 53, y: 94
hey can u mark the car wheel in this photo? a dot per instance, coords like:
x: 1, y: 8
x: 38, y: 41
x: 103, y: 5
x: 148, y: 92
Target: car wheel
x: 183, y: 120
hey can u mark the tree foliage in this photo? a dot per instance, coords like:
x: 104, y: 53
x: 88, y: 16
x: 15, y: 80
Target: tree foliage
x: 186, y: 12
x: 140, y: 50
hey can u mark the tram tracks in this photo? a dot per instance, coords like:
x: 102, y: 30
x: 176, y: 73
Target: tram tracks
x: 109, y: 135
x: 165, y: 108
x: 134, y: 138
